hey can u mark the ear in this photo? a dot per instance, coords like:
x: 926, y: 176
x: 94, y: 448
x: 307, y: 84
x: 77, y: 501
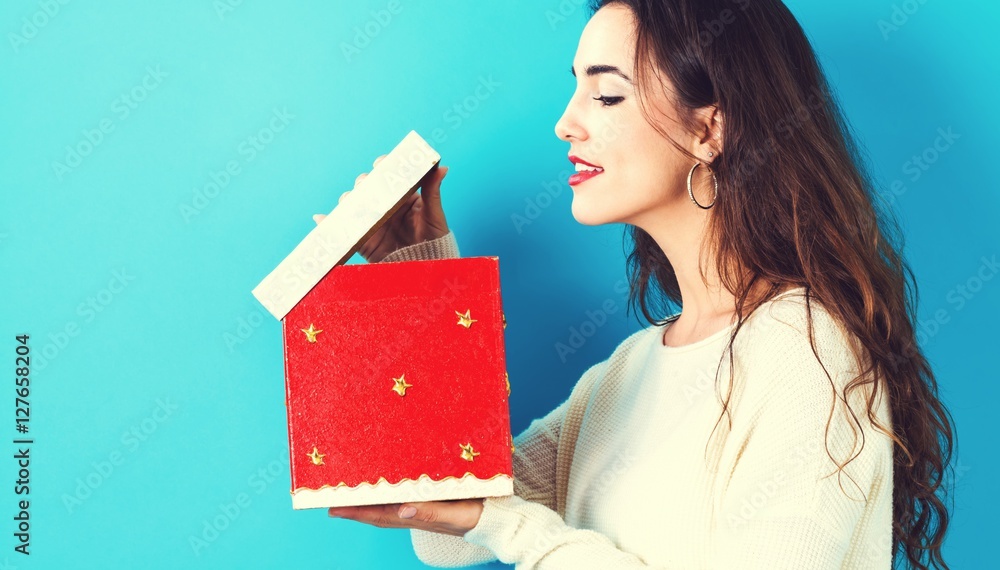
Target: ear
x: 709, y: 131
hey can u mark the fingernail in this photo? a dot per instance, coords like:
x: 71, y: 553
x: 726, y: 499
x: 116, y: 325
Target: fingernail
x: 407, y: 512
x: 333, y: 513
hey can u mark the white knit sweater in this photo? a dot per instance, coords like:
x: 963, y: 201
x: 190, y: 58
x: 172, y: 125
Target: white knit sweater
x: 646, y: 487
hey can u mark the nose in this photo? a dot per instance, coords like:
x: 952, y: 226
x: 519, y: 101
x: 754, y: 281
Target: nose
x: 567, y: 126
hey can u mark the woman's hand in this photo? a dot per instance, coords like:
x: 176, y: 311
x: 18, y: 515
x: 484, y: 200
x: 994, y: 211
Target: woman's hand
x: 455, y: 517
x: 418, y: 219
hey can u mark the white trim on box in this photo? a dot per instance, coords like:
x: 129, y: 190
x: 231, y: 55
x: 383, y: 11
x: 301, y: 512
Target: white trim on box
x: 408, y: 490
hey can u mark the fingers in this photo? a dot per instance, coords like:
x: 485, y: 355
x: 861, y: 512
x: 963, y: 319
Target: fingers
x: 319, y: 217
x: 430, y: 190
x: 454, y: 517
x: 363, y: 174
x: 431, y: 187
x: 383, y: 516
x: 412, y: 203
x: 424, y: 512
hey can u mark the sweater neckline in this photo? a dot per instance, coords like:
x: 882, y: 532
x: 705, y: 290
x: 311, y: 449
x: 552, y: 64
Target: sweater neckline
x: 710, y: 339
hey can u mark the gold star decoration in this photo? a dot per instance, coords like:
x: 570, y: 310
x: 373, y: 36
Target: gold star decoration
x: 507, y: 380
x: 512, y: 448
x: 311, y: 333
x: 467, y: 453
x: 465, y: 320
x: 401, y: 385
x: 504, y: 317
x: 316, y: 456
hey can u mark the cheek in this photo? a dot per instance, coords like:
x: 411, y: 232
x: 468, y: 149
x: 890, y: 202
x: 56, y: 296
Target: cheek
x: 646, y: 167
x: 666, y: 165
x: 648, y: 174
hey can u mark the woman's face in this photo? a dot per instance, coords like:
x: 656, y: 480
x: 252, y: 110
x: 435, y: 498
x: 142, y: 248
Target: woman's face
x: 643, y: 175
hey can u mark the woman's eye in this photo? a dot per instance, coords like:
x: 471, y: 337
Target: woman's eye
x: 609, y: 101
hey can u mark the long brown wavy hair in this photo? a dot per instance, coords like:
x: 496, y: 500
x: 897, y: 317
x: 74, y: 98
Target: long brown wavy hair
x: 797, y: 207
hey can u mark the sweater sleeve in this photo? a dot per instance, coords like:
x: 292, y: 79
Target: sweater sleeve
x: 776, y: 509
x: 534, y: 466
x: 786, y: 501
x: 444, y: 247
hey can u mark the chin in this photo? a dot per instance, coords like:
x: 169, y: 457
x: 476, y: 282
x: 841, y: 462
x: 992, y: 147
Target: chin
x: 588, y: 213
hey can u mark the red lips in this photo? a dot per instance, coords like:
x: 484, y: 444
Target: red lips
x: 583, y: 175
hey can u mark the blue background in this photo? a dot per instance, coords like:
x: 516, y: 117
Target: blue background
x: 134, y: 302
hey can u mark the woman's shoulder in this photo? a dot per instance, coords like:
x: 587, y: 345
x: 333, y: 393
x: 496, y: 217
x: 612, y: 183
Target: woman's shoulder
x: 787, y: 370
x: 791, y: 332
x: 791, y: 318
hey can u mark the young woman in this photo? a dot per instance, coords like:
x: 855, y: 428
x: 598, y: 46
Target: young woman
x: 785, y: 418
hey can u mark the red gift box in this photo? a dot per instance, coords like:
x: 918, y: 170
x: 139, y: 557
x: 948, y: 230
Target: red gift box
x: 395, y: 374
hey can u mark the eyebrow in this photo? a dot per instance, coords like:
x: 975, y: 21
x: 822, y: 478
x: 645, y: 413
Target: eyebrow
x: 598, y: 69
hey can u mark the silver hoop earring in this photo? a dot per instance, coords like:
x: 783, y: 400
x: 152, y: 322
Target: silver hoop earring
x: 691, y: 191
